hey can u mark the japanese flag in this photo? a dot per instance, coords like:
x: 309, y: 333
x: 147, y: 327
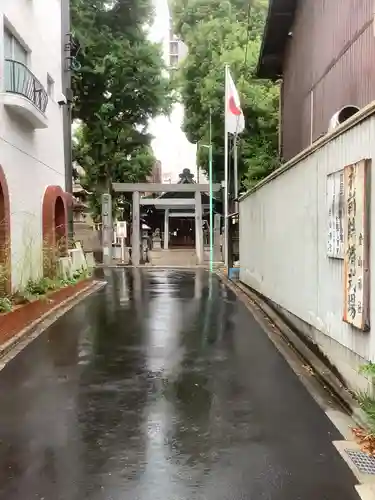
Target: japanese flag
x: 234, y: 118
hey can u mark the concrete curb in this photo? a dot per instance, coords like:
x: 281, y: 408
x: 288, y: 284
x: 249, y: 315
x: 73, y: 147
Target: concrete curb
x: 32, y: 331
x: 325, y: 375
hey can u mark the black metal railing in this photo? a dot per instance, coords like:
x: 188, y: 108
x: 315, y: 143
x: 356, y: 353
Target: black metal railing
x: 20, y: 80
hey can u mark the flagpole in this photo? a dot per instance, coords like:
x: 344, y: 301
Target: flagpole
x: 235, y: 161
x: 225, y: 239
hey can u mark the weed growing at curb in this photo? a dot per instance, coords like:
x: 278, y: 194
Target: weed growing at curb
x: 5, y: 305
x: 366, y: 438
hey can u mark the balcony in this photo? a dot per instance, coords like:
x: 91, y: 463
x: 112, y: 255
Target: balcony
x: 25, y: 95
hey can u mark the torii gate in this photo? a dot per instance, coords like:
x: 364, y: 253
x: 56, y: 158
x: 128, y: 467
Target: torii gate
x: 167, y: 203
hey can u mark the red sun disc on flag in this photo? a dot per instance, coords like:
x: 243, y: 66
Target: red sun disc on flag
x: 233, y: 107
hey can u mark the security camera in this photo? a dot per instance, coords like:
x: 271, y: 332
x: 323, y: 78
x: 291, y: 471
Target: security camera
x: 62, y: 100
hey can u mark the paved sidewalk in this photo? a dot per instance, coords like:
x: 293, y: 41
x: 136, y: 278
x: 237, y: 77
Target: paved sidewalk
x: 175, y: 258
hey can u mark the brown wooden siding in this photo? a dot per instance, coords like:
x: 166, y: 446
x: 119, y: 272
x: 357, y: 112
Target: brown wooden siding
x: 331, y: 53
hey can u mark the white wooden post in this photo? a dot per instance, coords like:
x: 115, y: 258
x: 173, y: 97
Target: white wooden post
x: 107, y: 228
x: 123, y: 250
x: 217, y: 223
x: 136, y: 230
x: 166, y: 229
x: 198, y: 228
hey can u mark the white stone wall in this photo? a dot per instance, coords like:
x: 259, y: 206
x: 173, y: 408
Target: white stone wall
x: 31, y: 159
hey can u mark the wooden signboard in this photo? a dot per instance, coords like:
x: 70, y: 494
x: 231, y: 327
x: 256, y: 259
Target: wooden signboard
x: 357, y: 182
x: 336, y: 210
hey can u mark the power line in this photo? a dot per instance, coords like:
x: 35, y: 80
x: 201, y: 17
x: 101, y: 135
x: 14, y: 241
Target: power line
x: 248, y: 30
x: 31, y: 156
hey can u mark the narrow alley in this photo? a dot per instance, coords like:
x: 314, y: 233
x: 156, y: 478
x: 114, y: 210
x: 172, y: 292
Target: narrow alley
x: 162, y: 386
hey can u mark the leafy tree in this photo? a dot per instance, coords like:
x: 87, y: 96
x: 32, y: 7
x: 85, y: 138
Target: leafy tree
x: 130, y: 159
x: 119, y: 86
x: 216, y: 33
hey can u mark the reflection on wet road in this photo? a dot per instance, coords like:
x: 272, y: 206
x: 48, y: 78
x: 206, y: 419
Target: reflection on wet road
x: 162, y: 387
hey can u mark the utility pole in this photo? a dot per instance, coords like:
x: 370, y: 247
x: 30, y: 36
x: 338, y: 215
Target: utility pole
x: 66, y: 79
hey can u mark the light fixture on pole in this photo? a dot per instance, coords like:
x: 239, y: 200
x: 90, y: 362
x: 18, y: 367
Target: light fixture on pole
x: 209, y: 146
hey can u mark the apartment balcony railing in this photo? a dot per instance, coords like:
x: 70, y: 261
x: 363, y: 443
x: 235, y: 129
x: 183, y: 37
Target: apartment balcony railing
x: 24, y: 97
x: 19, y: 80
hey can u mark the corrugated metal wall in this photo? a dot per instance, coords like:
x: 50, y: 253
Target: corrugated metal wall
x: 331, y: 53
x: 283, y: 240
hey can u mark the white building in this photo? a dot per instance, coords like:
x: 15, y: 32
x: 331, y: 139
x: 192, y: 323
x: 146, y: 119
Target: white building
x: 33, y: 203
x: 177, y: 49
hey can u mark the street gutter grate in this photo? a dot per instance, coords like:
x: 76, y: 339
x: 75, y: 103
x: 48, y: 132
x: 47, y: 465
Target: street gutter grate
x: 364, y: 463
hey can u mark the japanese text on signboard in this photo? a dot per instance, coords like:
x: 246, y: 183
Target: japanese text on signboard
x: 356, y: 257
x: 336, y: 204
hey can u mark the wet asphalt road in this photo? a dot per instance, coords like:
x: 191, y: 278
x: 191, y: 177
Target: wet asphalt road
x: 162, y: 387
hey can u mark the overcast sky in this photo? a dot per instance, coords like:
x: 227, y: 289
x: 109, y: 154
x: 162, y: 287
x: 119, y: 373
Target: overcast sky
x: 170, y: 144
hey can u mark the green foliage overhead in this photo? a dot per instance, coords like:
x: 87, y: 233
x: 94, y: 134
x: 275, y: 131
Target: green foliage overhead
x: 216, y: 33
x: 118, y: 88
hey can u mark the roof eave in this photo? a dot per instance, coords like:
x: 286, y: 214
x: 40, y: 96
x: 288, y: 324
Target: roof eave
x: 260, y: 58
x: 284, y: 12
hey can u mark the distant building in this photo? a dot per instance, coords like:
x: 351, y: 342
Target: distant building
x: 155, y: 175
x: 177, y: 49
